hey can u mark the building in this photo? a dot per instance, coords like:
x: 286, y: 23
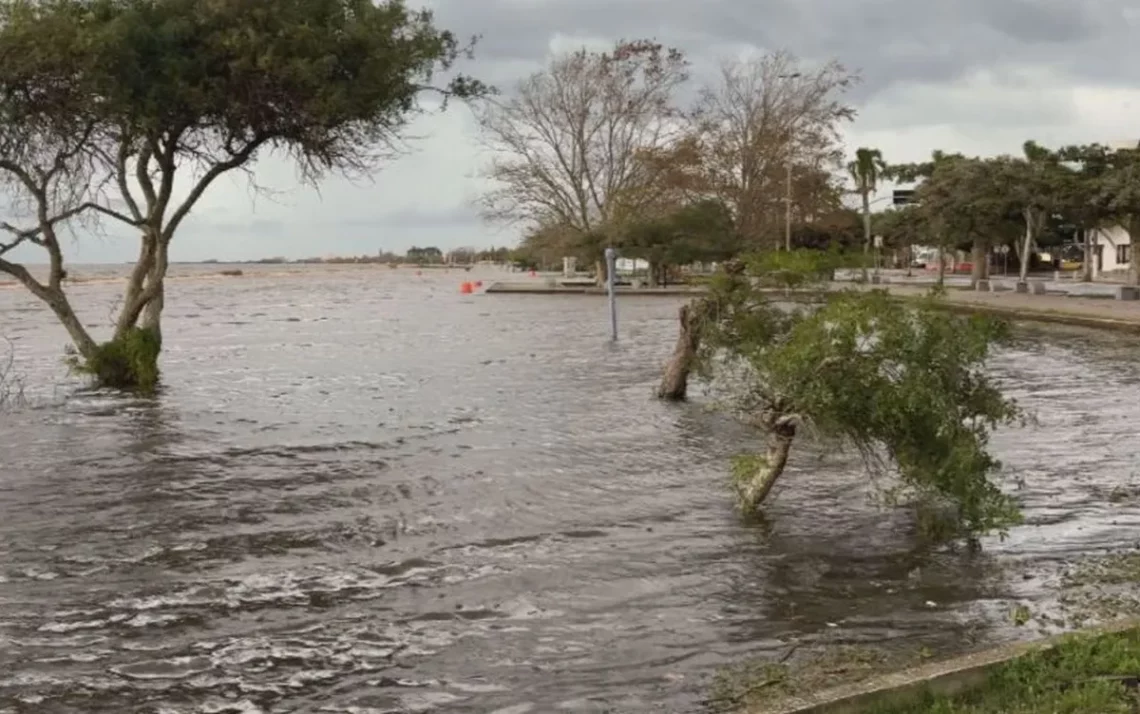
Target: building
x: 1113, y: 245
x: 1113, y: 250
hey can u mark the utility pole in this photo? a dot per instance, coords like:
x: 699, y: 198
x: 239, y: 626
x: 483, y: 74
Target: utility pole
x: 788, y: 173
x: 788, y: 206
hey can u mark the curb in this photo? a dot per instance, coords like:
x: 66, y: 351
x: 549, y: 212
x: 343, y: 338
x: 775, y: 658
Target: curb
x: 945, y: 678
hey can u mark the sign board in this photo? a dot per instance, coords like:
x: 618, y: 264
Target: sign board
x: 878, y: 241
x: 902, y: 196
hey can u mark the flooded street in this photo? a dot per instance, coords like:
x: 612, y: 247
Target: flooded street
x: 361, y: 491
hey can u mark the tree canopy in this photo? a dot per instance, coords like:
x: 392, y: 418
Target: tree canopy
x: 902, y: 385
x: 1038, y: 198
x: 136, y: 107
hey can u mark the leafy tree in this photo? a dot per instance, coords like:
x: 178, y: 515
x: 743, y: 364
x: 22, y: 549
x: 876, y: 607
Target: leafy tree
x: 1037, y: 185
x: 903, y: 385
x: 173, y: 94
x: 903, y: 228
x: 1107, y: 192
x: 966, y: 200
x: 1121, y: 194
x: 839, y: 229
x: 935, y: 216
x: 424, y: 256
x: 702, y: 231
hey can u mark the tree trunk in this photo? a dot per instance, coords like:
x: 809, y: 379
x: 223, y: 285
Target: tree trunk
x: 156, y: 281
x: 980, y: 259
x: 1027, y: 246
x: 752, y: 488
x: 1087, y: 264
x: 866, y: 230
x: 600, y: 272
x: 55, y: 299
x: 144, y: 266
x: 675, y: 380
x: 1132, y: 227
x: 84, y: 344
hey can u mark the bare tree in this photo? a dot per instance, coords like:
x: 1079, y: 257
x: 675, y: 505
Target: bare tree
x: 568, y: 141
x: 763, y: 117
x: 48, y: 174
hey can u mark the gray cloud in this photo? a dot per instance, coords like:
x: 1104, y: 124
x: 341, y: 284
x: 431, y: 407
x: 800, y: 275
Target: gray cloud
x: 978, y: 76
x: 890, y: 41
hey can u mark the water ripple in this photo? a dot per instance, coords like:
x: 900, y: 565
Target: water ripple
x: 363, y: 492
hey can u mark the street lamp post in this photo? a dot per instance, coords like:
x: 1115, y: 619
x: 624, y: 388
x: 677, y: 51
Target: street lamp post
x: 788, y: 174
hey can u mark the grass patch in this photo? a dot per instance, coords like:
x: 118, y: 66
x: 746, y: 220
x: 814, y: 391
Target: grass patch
x: 1089, y: 673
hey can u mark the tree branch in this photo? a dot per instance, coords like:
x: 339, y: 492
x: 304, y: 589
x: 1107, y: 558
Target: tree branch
x: 91, y: 205
x: 21, y: 273
x: 210, y: 176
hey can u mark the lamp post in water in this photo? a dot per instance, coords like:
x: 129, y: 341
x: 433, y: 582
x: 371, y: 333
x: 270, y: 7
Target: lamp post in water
x: 611, y: 282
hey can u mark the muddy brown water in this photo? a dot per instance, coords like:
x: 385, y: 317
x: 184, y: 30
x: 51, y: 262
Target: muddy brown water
x: 361, y: 491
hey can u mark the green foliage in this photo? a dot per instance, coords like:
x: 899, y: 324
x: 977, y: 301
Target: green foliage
x: 866, y: 170
x: 1081, y: 673
x: 327, y: 80
x: 127, y: 362
x: 430, y: 254
x: 702, y: 231
x: 904, y: 384
x: 138, y: 91
x: 902, y: 226
x: 798, y: 268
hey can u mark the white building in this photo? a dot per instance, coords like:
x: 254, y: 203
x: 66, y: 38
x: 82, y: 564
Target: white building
x: 1113, y: 245
x: 1113, y: 250
x: 630, y: 265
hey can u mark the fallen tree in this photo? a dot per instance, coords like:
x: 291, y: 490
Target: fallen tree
x: 901, y: 384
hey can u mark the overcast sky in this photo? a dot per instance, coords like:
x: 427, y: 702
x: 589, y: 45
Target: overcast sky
x: 977, y: 76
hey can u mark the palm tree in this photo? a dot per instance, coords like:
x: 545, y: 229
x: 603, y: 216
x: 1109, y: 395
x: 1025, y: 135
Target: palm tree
x: 866, y: 170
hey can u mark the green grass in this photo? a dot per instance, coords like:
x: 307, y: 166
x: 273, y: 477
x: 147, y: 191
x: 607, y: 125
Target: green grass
x: 1086, y: 674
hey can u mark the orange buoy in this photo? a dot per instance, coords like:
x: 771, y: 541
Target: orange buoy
x: 466, y: 288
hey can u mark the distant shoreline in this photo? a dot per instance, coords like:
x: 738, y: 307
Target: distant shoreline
x: 229, y: 271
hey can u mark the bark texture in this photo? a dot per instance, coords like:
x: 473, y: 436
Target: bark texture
x: 980, y: 260
x: 754, y: 484
x: 675, y: 379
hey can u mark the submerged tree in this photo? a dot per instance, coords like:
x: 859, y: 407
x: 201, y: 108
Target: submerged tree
x: 902, y: 384
x: 773, y: 270
x: 173, y: 94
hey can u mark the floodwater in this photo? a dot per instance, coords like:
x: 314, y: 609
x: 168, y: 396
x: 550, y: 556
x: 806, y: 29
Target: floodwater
x: 361, y: 491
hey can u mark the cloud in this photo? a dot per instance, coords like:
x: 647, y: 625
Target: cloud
x: 978, y: 76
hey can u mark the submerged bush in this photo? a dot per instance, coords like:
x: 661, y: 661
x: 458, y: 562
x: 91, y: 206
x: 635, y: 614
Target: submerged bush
x: 903, y: 384
x: 126, y: 362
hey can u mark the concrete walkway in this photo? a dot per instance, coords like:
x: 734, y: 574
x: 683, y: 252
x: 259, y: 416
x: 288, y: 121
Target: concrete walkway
x: 1087, y: 311
x: 1091, y: 309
